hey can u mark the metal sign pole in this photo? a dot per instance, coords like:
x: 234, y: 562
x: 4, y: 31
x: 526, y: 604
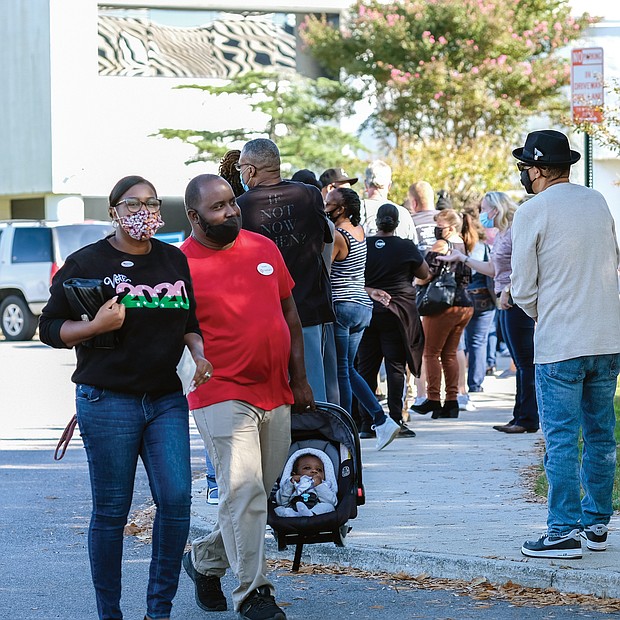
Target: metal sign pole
x: 588, y: 160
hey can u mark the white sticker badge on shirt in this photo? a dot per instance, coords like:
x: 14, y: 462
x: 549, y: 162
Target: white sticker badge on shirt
x: 379, y: 243
x: 264, y: 269
x: 126, y: 263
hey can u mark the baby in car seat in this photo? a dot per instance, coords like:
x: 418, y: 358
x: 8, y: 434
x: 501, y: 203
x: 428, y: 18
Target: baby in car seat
x: 307, y: 486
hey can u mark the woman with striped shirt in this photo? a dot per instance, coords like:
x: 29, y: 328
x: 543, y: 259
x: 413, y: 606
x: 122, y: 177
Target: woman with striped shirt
x: 353, y: 307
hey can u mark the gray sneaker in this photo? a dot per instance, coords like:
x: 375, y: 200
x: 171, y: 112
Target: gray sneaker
x: 595, y: 537
x: 567, y: 546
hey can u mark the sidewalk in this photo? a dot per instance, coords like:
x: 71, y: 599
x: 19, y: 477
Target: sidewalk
x: 453, y: 503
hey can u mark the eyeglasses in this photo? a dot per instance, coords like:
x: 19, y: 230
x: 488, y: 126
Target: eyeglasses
x: 239, y: 167
x: 134, y: 205
x: 333, y: 204
x: 521, y: 166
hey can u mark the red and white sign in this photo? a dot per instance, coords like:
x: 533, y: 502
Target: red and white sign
x: 587, y: 86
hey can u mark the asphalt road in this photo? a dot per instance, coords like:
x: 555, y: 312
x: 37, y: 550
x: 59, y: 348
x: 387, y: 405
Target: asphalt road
x: 44, y: 511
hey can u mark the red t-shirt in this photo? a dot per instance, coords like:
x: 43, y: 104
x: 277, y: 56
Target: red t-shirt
x: 238, y: 295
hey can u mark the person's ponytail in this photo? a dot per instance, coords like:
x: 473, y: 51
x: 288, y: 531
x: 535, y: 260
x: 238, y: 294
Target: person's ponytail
x: 469, y: 232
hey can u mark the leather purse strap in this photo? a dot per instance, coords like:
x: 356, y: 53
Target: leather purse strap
x: 65, y: 438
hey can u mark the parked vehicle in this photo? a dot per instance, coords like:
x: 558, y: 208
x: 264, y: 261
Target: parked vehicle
x: 31, y: 252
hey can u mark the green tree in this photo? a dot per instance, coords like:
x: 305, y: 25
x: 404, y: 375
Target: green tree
x: 466, y: 170
x: 302, y: 116
x: 451, y: 69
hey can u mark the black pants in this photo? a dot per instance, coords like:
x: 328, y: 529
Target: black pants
x: 382, y: 340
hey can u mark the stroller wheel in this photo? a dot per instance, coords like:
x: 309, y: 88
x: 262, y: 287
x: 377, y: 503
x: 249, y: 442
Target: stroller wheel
x: 340, y: 534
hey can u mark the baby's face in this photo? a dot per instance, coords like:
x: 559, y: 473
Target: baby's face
x: 310, y: 465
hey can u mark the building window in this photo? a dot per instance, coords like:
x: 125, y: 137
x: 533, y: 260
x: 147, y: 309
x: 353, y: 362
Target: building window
x: 147, y: 42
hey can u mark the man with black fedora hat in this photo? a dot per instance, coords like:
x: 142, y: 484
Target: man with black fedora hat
x: 564, y: 275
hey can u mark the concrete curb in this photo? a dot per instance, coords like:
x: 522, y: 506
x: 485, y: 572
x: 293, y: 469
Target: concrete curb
x: 497, y: 571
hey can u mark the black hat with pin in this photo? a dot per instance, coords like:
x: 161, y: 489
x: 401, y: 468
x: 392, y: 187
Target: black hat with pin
x: 547, y: 148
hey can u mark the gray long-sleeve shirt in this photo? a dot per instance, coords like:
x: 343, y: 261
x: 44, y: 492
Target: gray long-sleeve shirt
x: 564, y: 272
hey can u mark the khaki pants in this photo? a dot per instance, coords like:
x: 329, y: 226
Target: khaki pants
x: 248, y: 447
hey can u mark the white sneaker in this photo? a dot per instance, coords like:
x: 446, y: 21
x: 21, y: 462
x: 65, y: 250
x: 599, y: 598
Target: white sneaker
x: 464, y: 403
x: 386, y: 432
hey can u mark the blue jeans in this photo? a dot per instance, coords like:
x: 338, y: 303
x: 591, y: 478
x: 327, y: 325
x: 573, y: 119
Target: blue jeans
x: 117, y: 429
x: 330, y: 364
x: 351, y: 321
x: 476, y: 337
x: 313, y: 358
x: 518, y: 330
x: 492, y: 342
x: 211, y: 481
x: 578, y: 394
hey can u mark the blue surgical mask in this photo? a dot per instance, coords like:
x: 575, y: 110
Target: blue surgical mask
x: 485, y: 220
x: 245, y: 186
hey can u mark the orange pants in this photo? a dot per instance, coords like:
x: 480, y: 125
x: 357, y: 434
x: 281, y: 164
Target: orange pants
x: 442, y: 333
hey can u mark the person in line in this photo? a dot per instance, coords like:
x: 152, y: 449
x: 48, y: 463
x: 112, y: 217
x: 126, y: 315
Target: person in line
x: 569, y: 286
x: 308, y: 485
x: 395, y: 331
x: 377, y: 182
x: 291, y: 215
x: 333, y: 178
x: 422, y: 207
x: 129, y: 399
x: 517, y: 327
x: 252, y: 332
x: 482, y: 291
x: 423, y: 212
x: 443, y: 331
x: 353, y: 308
x: 228, y: 171
x: 443, y: 200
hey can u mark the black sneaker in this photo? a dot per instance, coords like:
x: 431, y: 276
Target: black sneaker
x: 260, y: 605
x: 561, y: 547
x: 405, y: 431
x: 207, y: 588
x: 595, y: 537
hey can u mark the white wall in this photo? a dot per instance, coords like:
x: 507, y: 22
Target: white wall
x: 25, y: 135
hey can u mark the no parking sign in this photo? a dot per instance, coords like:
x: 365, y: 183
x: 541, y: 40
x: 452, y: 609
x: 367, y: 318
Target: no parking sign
x: 587, y: 92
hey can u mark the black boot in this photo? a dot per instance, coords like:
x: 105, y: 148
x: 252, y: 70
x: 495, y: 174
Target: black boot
x: 450, y: 409
x: 426, y: 407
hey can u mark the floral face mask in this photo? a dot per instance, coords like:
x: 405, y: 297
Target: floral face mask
x: 141, y: 225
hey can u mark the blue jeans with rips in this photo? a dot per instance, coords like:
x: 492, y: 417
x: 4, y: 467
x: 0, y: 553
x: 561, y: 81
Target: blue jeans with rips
x: 118, y: 428
x: 573, y: 395
x: 351, y: 321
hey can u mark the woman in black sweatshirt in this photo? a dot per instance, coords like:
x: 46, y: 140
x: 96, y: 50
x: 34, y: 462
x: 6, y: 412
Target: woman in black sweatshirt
x: 129, y: 398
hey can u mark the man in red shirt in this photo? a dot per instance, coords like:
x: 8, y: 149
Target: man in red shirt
x: 252, y: 333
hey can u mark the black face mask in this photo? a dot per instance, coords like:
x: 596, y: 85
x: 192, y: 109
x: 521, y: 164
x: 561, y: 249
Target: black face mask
x: 438, y: 233
x: 222, y: 234
x: 331, y: 216
x: 526, y: 182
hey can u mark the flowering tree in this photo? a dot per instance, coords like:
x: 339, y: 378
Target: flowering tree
x: 451, y: 69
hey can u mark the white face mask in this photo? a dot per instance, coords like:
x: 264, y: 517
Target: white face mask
x: 141, y: 225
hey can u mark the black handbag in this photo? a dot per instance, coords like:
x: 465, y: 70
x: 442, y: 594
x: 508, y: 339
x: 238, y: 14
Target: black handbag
x: 438, y: 294
x: 85, y: 296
